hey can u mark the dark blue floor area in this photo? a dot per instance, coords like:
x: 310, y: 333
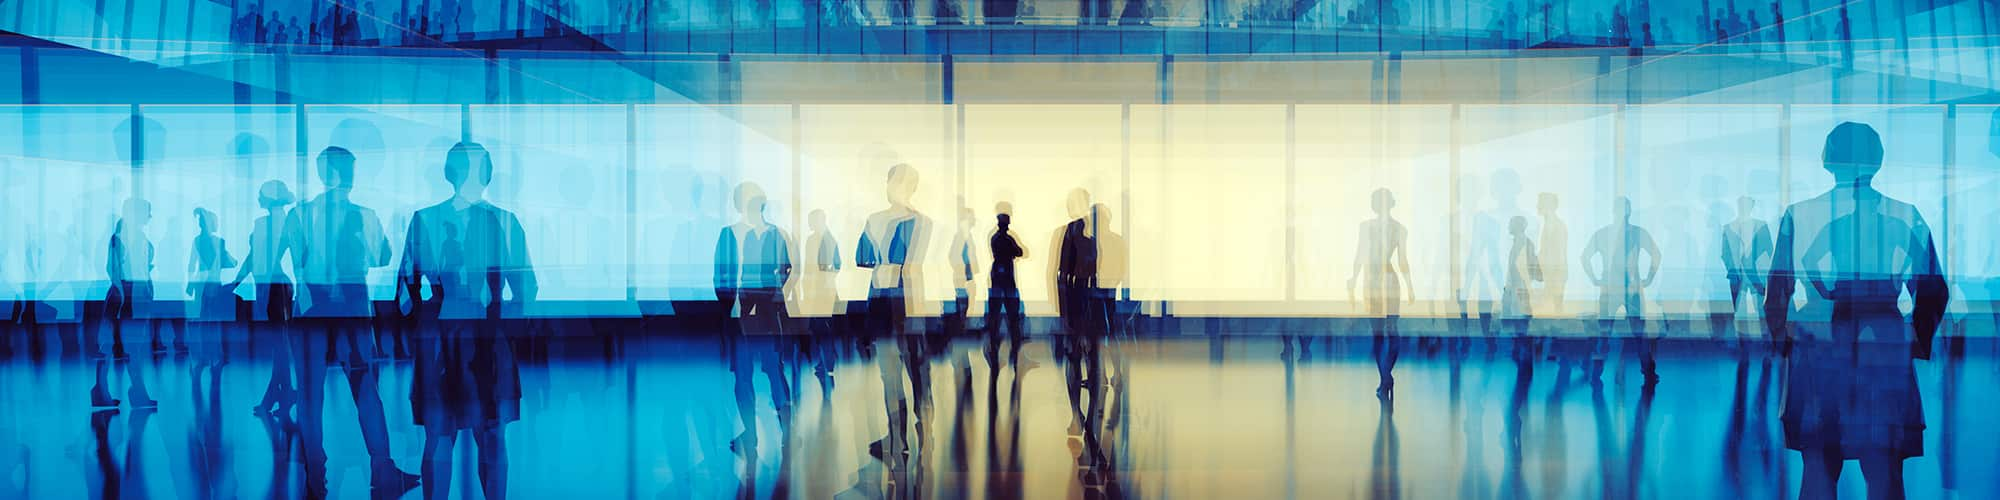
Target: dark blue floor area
x: 638, y: 412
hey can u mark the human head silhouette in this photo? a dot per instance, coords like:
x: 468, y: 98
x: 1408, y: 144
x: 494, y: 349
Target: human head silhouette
x: 1744, y: 205
x: 817, y: 219
x: 1101, y: 214
x: 468, y: 168
x: 902, y: 184
x: 1622, y: 210
x: 274, y: 195
x: 964, y: 219
x: 136, y: 213
x: 1077, y: 203
x: 336, y: 168
x: 1517, y: 226
x: 1853, y: 153
x: 1383, y: 200
x: 1547, y: 203
x: 204, y: 220
x: 750, y: 201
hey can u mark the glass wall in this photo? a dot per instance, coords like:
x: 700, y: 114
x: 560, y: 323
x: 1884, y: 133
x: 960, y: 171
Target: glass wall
x: 1223, y: 209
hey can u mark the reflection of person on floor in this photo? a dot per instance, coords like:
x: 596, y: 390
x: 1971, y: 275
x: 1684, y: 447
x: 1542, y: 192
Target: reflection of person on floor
x: 753, y: 264
x: 274, y: 294
x: 1746, y: 243
x: 129, y: 264
x: 892, y: 248
x: 1382, y: 263
x: 474, y: 256
x: 333, y: 243
x: 1612, y: 262
x: 1851, y: 391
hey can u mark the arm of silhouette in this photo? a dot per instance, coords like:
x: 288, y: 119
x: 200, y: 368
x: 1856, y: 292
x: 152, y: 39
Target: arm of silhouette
x: 1778, y: 296
x: 379, y: 251
x: 1589, y: 260
x: 1817, y: 251
x: 1652, y: 249
x: 243, y: 271
x: 725, y: 260
x: 1759, y: 251
x: 1360, y: 260
x: 1929, y: 290
x: 1402, y: 250
x: 1534, y: 263
x: 409, y: 272
x: 520, y: 268
x: 784, y: 251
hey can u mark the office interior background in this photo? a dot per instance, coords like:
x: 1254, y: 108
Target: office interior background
x: 1236, y: 145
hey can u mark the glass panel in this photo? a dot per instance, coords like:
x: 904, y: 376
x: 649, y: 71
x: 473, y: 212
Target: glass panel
x: 213, y: 158
x: 1697, y: 163
x: 399, y: 166
x: 1345, y: 154
x: 1512, y: 157
x: 562, y: 170
x: 691, y: 161
x: 1032, y: 157
x: 1208, y: 203
x: 83, y: 157
x: 848, y: 151
x: 1971, y: 242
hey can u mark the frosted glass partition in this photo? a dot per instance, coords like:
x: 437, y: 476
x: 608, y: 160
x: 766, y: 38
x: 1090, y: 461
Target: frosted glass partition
x: 82, y: 159
x: 847, y: 154
x: 1693, y: 166
x: 691, y: 159
x: 1345, y: 154
x: 1032, y: 157
x: 561, y: 170
x: 1510, y: 157
x: 213, y: 158
x: 1972, y: 247
x: 1208, y: 203
x: 1224, y: 209
x: 399, y: 165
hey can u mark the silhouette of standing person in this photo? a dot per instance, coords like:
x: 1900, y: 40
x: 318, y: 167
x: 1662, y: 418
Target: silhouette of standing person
x: 1003, y: 295
x: 892, y: 247
x: 129, y: 264
x: 473, y: 258
x: 753, y: 264
x: 1612, y: 262
x: 817, y: 283
x: 1851, y: 391
x: 205, y: 265
x: 274, y: 294
x: 1523, y: 267
x: 1074, y: 265
x: 1554, y: 251
x: 334, y: 242
x: 1746, y: 243
x: 962, y: 274
x: 1382, y: 264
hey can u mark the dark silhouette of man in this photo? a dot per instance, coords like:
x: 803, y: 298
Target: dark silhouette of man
x: 334, y: 243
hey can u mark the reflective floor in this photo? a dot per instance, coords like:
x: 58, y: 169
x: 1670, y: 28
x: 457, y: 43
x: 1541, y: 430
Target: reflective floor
x: 662, y: 416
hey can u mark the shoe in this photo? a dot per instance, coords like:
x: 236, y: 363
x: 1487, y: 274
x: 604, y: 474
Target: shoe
x: 387, y: 481
x: 98, y: 400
